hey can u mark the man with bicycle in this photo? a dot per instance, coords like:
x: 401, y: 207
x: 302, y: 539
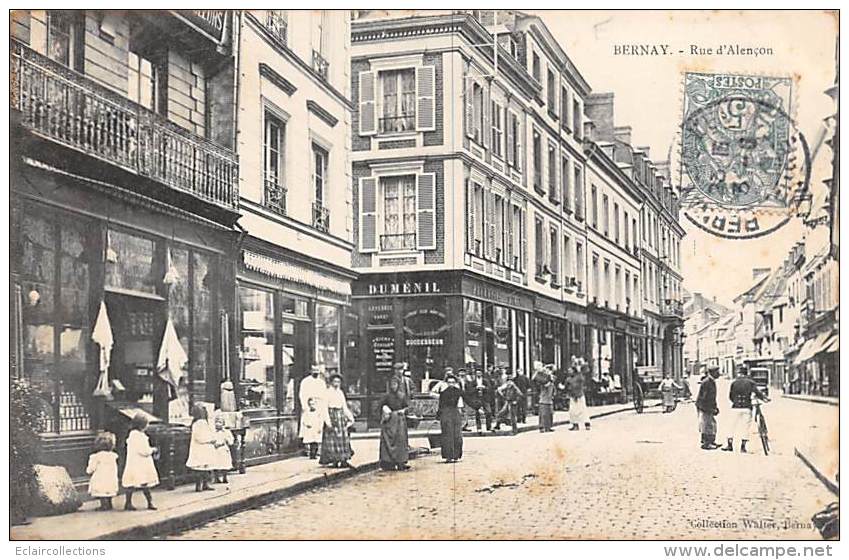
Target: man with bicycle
x: 742, y: 415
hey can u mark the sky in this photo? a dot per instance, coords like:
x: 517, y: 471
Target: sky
x: 648, y: 97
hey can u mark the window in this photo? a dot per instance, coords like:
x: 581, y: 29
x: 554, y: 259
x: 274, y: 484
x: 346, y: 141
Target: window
x: 617, y: 286
x: 554, y: 255
x: 319, y: 47
x: 596, y: 279
x: 577, y: 119
x: 564, y: 180
x: 258, y: 375
x: 477, y: 112
x: 398, y: 107
x: 480, y: 220
x: 625, y: 226
x: 579, y: 193
x: 518, y: 232
x: 327, y: 337
x: 564, y: 107
x: 553, y: 191
x: 65, y: 38
x: 273, y: 163
x: 399, y: 213
x: 539, y: 239
x: 145, y: 83
x: 499, y: 230
x: 634, y: 232
x: 568, y: 265
x: 497, y: 129
x: 579, y: 264
x: 594, y: 201
x: 616, y: 222
x: 627, y: 292
x: 275, y: 21
x: 537, y: 155
x: 514, y: 142
x: 605, y: 214
x: 551, y: 93
x: 321, y: 215
x: 606, y: 283
x: 535, y: 67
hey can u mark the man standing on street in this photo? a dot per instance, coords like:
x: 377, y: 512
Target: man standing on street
x: 523, y: 383
x: 706, y: 406
x: 742, y: 417
x: 577, y: 399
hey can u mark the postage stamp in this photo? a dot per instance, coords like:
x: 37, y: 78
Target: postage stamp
x: 743, y: 162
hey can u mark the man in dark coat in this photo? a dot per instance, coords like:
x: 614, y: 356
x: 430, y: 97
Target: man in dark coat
x: 707, y: 409
x: 742, y: 416
x: 524, y: 384
x: 478, y: 397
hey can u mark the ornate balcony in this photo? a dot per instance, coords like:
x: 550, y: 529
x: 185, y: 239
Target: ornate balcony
x: 275, y: 196
x: 70, y: 109
x: 672, y: 308
x: 320, y: 217
x: 397, y: 241
x: 320, y: 64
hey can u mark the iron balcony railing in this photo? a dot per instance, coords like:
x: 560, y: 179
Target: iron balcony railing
x: 672, y: 308
x: 275, y: 196
x: 320, y: 217
x: 275, y: 22
x: 320, y: 64
x: 397, y: 241
x: 68, y: 108
x: 401, y: 123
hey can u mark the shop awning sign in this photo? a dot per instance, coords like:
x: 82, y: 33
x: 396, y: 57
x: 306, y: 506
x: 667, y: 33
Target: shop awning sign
x: 292, y: 272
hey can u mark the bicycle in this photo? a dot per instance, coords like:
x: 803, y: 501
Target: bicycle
x: 638, y: 399
x: 763, y: 433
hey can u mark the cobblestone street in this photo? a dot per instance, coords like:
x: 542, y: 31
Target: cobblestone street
x: 631, y: 476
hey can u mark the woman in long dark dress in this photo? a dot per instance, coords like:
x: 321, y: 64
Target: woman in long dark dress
x: 394, y: 447
x: 336, y: 447
x: 451, y: 421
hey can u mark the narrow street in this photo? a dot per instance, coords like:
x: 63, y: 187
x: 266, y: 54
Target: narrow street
x: 631, y: 476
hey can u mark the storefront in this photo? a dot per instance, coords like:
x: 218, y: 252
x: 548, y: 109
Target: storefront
x: 87, y: 256
x: 615, y: 340
x: 431, y: 320
x: 291, y: 315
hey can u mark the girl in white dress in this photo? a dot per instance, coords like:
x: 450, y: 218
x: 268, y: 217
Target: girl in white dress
x: 223, y: 459
x: 139, y: 472
x: 201, y: 449
x: 103, y: 469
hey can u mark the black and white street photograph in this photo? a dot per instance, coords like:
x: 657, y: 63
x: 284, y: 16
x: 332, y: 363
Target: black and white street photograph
x: 418, y: 274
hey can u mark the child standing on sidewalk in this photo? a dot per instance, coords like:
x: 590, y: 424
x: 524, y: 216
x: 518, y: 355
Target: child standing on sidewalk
x: 103, y: 469
x: 139, y: 472
x: 201, y: 448
x: 312, y: 423
x: 223, y: 459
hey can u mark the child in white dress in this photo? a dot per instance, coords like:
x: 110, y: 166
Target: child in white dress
x: 201, y: 448
x: 223, y: 459
x: 312, y: 424
x: 139, y: 472
x: 103, y: 469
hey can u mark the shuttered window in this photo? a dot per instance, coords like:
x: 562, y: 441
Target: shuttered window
x: 368, y: 109
x: 426, y: 210
x: 426, y: 98
x: 368, y: 214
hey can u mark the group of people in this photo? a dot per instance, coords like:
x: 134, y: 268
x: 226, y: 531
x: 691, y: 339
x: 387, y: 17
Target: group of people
x: 742, y: 416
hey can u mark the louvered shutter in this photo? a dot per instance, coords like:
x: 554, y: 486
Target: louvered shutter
x: 425, y: 98
x: 470, y: 109
x: 470, y: 217
x: 485, y: 117
x: 368, y: 214
x: 491, y: 226
x: 523, y: 238
x: 508, y: 124
x: 426, y: 210
x: 368, y: 105
x: 519, y: 154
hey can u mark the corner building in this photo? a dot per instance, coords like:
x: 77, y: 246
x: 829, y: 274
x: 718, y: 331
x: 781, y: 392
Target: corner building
x: 469, y: 206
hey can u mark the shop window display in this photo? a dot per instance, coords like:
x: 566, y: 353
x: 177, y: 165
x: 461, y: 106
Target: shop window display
x: 473, y: 326
x: 327, y: 337
x: 257, y: 381
x: 425, y: 328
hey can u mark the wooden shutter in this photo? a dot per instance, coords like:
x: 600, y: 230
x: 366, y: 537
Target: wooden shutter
x: 490, y: 231
x: 508, y: 124
x: 507, y: 234
x: 469, y: 103
x: 426, y: 210
x: 368, y: 105
x: 523, y: 239
x: 485, y: 117
x: 519, y: 154
x: 470, y: 217
x: 425, y: 98
x: 368, y: 214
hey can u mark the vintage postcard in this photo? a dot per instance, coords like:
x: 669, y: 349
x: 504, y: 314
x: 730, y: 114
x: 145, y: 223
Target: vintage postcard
x: 410, y: 274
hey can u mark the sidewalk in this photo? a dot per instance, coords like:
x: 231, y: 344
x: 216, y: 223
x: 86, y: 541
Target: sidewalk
x: 183, y: 508
x: 819, y: 399
x: 818, y: 451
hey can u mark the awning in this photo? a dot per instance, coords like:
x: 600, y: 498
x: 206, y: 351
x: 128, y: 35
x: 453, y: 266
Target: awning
x: 285, y: 270
x: 832, y: 344
x: 813, y: 346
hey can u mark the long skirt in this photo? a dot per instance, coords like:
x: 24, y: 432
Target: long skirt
x: 451, y: 423
x: 707, y: 424
x: 578, y: 410
x: 668, y: 399
x: 335, y: 441
x: 741, y: 423
x: 546, y: 416
x: 394, y: 449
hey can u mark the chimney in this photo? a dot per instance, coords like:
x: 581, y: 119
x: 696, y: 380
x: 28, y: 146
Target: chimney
x: 645, y: 150
x: 599, y: 109
x: 758, y: 272
x: 623, y: 134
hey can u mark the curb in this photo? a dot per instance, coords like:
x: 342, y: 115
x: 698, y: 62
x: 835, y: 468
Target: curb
x: 188, y: 521
x: 832, y: 487
x: 817, y: 400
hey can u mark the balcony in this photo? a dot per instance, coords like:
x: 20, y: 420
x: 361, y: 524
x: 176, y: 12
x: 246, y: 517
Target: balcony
x: 320, y: 65
x: 66, y: 107
x: 275, y: 22
x: 397, y: 241
x: 275, y: 196
x: 320, y: 217
x: 401, y: 123
x: 672, y: 308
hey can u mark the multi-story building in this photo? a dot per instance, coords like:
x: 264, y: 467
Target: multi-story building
x: 469, y: 209
x: 699, y: 311
x: 294, y: 267
x: 614, y: 268
x: 124, y: 195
